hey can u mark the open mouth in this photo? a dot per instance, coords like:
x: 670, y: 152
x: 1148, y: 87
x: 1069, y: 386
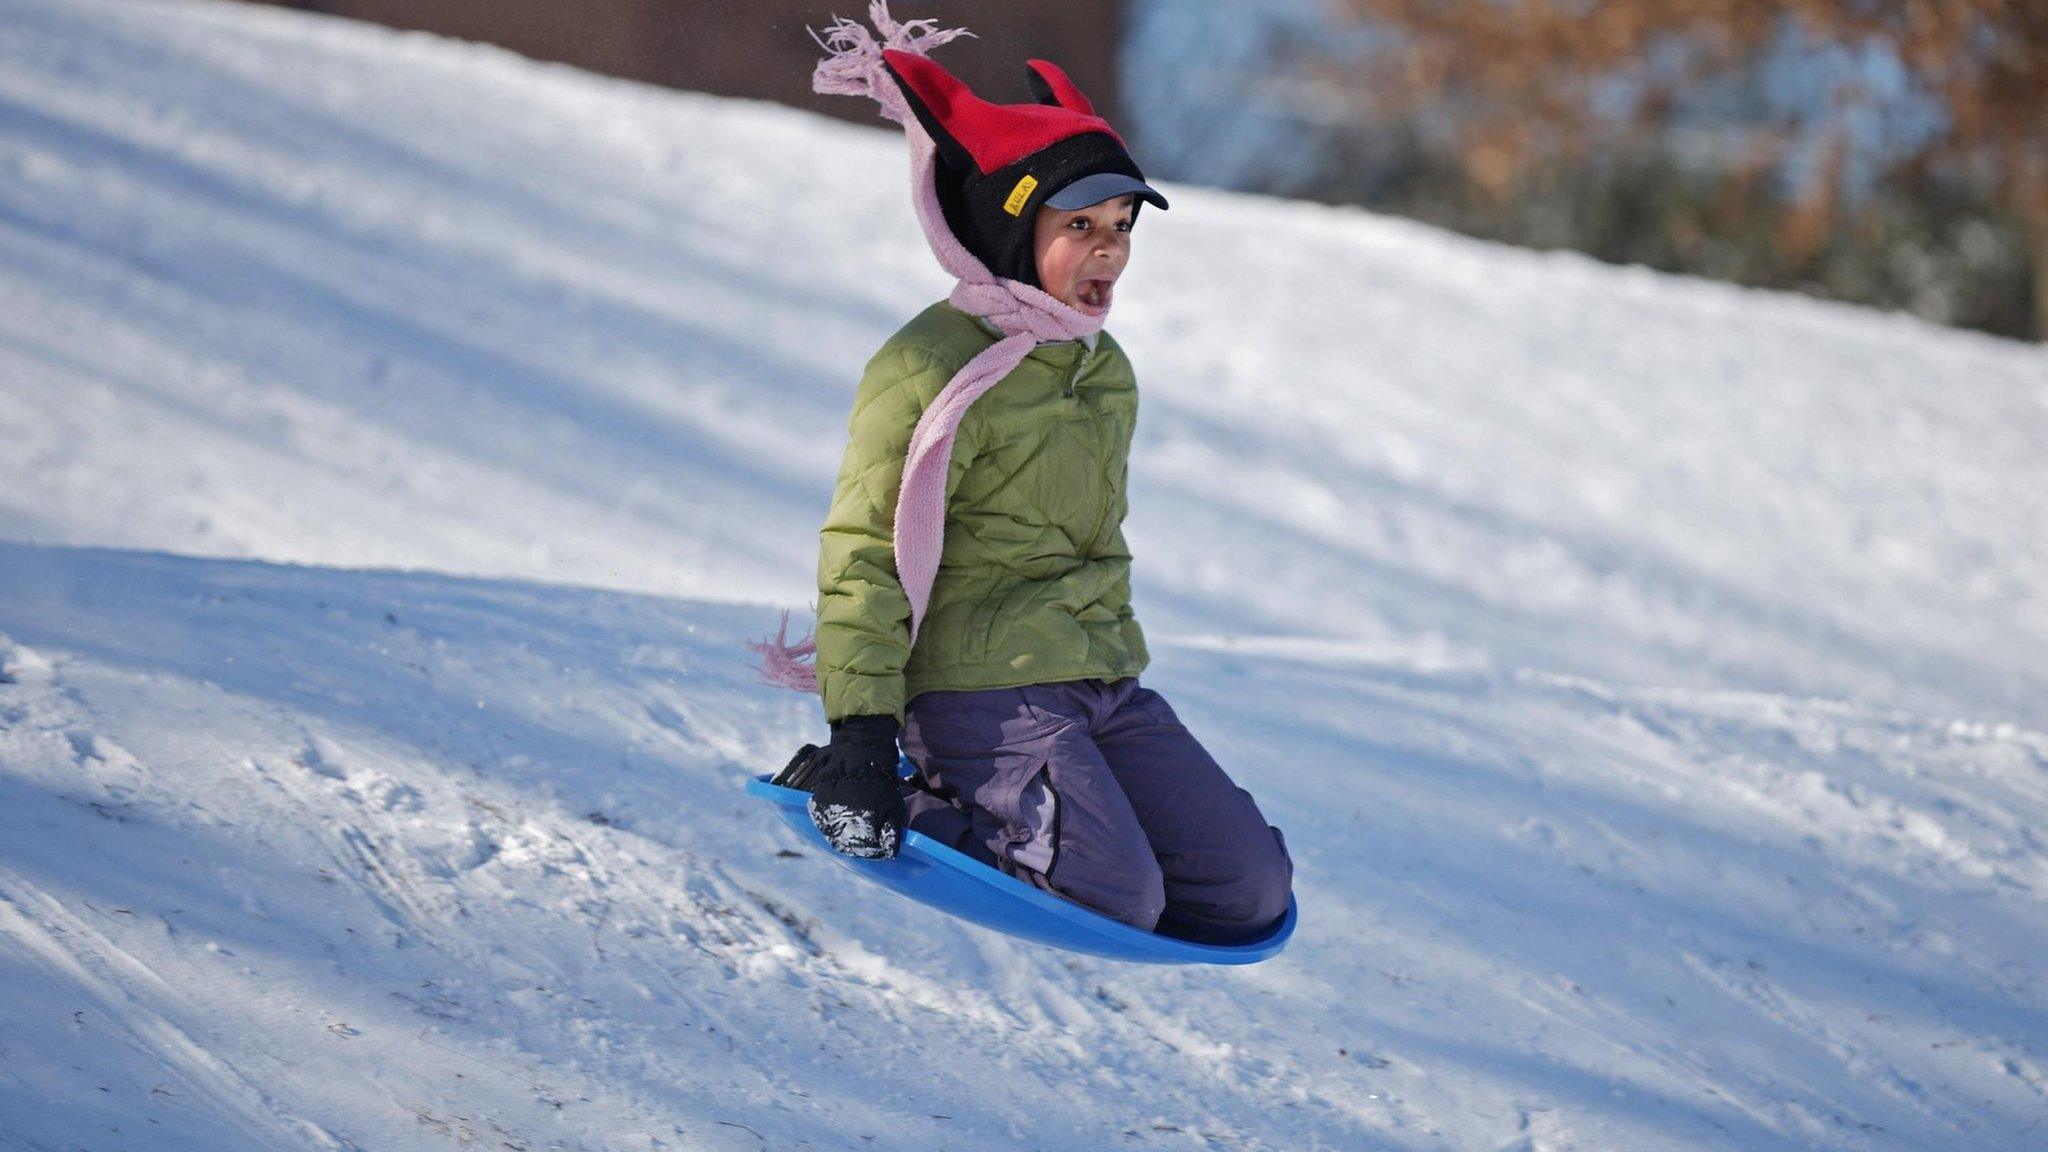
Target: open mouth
x: 1094, y: 294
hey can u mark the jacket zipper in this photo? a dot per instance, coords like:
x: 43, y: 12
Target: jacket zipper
x: 1103, y: 522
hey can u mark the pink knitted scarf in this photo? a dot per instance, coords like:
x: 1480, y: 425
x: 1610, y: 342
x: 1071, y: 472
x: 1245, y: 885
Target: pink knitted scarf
x: 1024, y: 314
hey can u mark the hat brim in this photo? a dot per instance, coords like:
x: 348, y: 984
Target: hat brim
x: 1100, y: 186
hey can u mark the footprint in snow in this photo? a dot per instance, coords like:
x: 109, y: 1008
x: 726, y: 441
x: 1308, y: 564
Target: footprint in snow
x: 20, y: 664
x: 322, y: 758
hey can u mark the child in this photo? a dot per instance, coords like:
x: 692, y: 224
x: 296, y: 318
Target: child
x: 973, y: 579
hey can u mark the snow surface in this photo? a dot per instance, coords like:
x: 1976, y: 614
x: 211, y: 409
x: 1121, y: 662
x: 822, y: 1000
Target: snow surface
x: 399, y: 438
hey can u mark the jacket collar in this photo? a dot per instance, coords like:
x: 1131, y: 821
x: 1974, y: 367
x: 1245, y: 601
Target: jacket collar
x: 989, y: 326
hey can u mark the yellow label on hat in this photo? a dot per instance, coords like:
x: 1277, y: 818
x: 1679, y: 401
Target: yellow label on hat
x: 1018, y: 195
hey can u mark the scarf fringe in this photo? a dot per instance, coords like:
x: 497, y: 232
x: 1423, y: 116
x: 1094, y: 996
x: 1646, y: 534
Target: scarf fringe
x: 853, y: 65
x: 782, y: 663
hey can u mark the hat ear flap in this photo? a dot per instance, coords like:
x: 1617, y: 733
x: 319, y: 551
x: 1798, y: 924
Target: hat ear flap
x: 1051, y: 86
x: 934, y: 95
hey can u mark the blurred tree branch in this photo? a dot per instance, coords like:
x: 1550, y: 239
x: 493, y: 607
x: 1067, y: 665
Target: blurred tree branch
x: 1517, y: 84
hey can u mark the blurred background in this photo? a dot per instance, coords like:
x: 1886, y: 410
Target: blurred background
x: 1893, y: 154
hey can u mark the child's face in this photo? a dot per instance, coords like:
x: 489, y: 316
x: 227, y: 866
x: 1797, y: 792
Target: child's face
x: 1082, y: 252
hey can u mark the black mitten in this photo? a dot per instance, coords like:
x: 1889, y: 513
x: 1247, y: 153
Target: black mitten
x: 855, y: 798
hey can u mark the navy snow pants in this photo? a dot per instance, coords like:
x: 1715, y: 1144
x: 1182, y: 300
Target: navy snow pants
x: 1093, y: 790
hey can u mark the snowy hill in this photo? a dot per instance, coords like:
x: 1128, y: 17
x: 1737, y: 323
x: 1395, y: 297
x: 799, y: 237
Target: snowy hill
x: 398, y: 439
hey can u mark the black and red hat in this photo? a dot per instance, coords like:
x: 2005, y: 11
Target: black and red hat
x: 998, y: 164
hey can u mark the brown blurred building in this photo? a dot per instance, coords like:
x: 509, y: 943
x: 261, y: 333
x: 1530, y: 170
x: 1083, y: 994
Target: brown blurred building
x: 759, y: 48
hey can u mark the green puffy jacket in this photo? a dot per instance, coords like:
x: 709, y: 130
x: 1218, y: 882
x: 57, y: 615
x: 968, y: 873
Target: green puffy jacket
x: 1034, y: 581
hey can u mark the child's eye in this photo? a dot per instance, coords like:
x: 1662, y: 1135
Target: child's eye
x: 1124, y: 225
x: 1079, y: 222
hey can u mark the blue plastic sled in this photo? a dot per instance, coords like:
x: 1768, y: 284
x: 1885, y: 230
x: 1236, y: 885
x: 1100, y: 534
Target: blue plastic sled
x: 931, y: 873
